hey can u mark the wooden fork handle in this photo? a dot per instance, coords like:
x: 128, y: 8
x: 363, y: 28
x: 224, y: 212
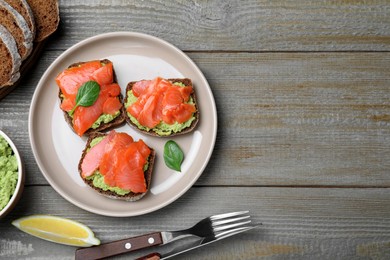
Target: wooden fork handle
x: 119, y: 247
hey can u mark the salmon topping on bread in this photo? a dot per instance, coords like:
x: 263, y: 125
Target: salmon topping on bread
x: 84, y: 118
x: 160, y: 100
x: 161, y: 104
x: 120, y: 160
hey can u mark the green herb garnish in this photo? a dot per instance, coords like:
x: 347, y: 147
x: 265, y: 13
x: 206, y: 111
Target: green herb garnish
x: 87, y: 95
x: 173, y: 155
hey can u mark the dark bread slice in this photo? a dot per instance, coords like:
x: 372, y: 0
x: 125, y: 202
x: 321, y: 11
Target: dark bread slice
x: 185, y: 81
x: 110, y: 194
x: 9, y: 55
x: 119, y: 120
x: 22, y: 7
x: 18, y: 27
x: 47, y: 17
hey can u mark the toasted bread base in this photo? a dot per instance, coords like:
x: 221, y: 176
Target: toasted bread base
x: 110, y: 194
x: 185, y: 81
x: 119, y: 120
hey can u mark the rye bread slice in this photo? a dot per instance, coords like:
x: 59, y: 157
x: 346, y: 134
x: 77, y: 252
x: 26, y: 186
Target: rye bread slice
x: 119, y: 120
x: 186, y: 82
x: 18, y: 27
x: 110, y: 194
x: 11, y: 60
x: 47, y: 17
x: 22, y: 7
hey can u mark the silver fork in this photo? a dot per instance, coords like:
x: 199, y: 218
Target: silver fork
x: 212, y: 226
x: 185, y: 247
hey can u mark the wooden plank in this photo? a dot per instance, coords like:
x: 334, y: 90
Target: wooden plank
x: 300, y: 223
x: 234, y: 25
x: 300, y: 119
x: 284, y: 118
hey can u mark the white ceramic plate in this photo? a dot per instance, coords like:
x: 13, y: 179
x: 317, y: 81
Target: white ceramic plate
x: 135, y: 56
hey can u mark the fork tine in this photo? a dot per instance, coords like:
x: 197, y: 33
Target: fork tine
x: 228, y: 215
x: 235, y: 231
x: 224, y: 227
x: 229, y: 220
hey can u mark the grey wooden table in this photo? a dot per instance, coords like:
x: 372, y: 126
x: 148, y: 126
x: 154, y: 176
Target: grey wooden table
x: 303, y: 96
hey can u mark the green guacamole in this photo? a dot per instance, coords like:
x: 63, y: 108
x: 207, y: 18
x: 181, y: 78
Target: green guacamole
x: 104, y: 118
x: 162, y: 129
x: 98, y: 179
x: 8, y: 172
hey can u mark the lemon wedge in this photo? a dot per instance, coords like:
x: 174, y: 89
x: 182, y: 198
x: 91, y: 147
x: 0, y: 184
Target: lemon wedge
x: 57, y: 229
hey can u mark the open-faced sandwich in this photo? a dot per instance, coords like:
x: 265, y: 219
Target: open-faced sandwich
x: 116, y: 166
x: 162, y: 107
x: 90, y: 97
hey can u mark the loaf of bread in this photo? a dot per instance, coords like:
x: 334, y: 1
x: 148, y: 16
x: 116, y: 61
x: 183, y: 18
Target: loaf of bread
x: 24, y: 24
x: 18, y: 27
x: 11, y: 60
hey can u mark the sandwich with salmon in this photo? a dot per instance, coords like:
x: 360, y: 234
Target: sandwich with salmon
x: 162, y: 107
x: 116, y: 166
x: 105, y: 112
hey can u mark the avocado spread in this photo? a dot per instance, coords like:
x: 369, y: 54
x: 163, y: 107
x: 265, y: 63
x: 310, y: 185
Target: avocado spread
x: 98, y: 179
x: 8, y: 172
x: 104, y: 118
x: 162, y: 129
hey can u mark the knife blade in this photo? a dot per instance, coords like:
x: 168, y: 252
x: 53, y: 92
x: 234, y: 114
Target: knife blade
x: 196, y: 244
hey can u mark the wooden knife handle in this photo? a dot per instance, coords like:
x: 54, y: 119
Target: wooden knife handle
x: 152, y: 256
x: 119, y: 247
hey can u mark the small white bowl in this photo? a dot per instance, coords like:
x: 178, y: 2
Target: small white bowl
x: 20, y: 184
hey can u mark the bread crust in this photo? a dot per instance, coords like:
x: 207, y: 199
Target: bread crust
x: 47, y: 17
x: 22, y: 7
x: 9, y: 43
x: 110, y: 194
x: 185, y: 81
x: 18, y: 27
x: 119, y: 120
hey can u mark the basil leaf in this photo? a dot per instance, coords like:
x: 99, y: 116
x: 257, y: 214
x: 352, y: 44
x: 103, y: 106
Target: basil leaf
x: 173, y: 155
x: 87, y: 94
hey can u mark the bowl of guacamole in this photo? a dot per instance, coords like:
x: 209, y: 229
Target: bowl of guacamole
x: 11, y: 175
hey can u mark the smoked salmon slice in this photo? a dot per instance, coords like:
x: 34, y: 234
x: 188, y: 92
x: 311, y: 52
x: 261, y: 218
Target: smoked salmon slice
x: 120, y: 160
x: 108, y: 102
x: 104, y: 75
x: 111, y: 105
x: 84, y: 117
x: 71, y: 79
x: 160, y: 100
x: 92, y: 159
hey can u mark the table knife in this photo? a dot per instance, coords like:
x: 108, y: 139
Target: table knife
x: 193, y: 245
x: 204, y: 228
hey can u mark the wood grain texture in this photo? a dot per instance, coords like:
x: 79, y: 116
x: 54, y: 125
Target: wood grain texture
x: 297, y: 223
x: 300, y: 119
x: 284, y: 118
x: 278, y: 25
x: 303, y: 99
